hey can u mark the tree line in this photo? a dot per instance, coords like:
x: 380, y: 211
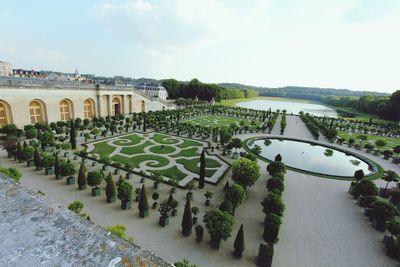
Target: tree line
x: 204, y: 91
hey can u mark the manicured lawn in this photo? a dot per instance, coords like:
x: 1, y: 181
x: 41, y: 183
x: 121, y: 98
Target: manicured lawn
x: 164, y: 139
x: 132, y: 150
x: 192, y: 165
x: 189, y: 152
x: 103, y: 148
x: 173, y: 172
x: 162, y: 150
x: 220, y: 121
x: 187, y: 143
x: 390, y: 141
x: 136, y: 160
x: 133, y: 138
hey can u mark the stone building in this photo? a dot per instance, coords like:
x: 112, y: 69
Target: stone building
x: 153, y: 91
x: 5, y: 69
x: 28, y: 101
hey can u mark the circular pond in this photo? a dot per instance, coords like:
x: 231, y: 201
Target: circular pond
x: 311, y: 157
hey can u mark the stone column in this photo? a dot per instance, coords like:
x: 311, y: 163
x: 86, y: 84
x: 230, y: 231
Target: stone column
x: 110, y: 105
x: 99, y: 105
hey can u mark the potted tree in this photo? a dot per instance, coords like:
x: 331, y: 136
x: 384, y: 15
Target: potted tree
x: 235, y: 194
x: 389, y: 176
x: 157, y: 177
x: 94, y: 179
x: 37, y: 159
x: 382, y: 211
x: 174, y: 183
x: 143, y: 203
x: 363, y: 189
x: 190, y: 186
x: 387, y: 154
x: 395, y: 197
x: 219, y: 225
x: 164, y: 210
x: 110, y: 189
x: 137, y: 193
x: 195, y: 211
x: 68, y: 170
x: 125, y: 195
x: 48, y: 163
x: 265, y: 254
x: 396, y: 150
x: 27, y: 155
x: 208, y: 195
x: 239, y: 243
x: 393, y: 226
x: 199, y: 233
x: 358, y: 176
x: 82, y: 177
x: 155, y: 196
x: 129, y: 166
x: 187, y: 220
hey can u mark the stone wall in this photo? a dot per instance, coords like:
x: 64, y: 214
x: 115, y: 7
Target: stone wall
x: 36, y: 231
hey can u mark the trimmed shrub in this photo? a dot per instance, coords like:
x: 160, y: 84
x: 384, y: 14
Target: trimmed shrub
x: 365, y: 188
x: 275, y: 183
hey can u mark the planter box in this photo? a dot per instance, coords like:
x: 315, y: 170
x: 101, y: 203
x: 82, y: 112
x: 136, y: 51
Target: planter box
x: 144, y: 213
x: 116, y: 171
x: 65, y: 154
x: 174, y: 212
x: 93, y: 163
x: 104, y: 168
x: 49, y: 171
x: 58, y: 177
x: 187, y: 232
x: 75, y: 157
x: 235, y: 155
x: 126, y: 204
x: 396, y: 160
x: 378, y: 225
x: 111, y: 199
x: 214, y: 243
x: 70, y: 180
x: 195, y: 219
x: 163, y: 221
x: 30, y: 163
x: 367, y: 212
x: 361, y: 201
x: 96, y: 191
x: 129, y: 175
x: 156, y: 185
x: 351, y: 188
x: 386, y: 239
x: 207, y: 202
x: 84, y: 161
x: 264, y: 261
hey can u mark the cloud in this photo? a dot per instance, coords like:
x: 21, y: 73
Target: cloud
x: 366, y: 11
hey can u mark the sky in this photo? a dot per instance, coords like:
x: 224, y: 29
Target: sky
x: 353, y: 44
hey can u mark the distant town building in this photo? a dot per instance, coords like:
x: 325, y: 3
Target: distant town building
x: 153, y: 90
x: 5, y: 69
x: 21, y: 73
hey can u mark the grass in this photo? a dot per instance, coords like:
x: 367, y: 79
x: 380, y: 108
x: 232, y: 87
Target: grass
x: 391, y: 142
x: 187, y: 143
x: 133, y: 138
x: 136, y: 160
x: 220, y: 121
x: 192, y: 165
x: 164, y: 139
x: 172, y: 172
x: 132, y: 150
x: 103, y: 148
x: 189, y: 152
x: 162, y: 150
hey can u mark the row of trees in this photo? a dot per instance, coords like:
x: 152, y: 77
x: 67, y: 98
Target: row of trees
x: 204, y: 91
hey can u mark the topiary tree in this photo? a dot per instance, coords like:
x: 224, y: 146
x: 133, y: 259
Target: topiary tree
x: 37, y: 159
x: 380, y: 143
x: 383, y: 211
x: 82, y: 177
x: 219, y: 225
x: 110, y: 189
x: 390, y: 176
x: 275, y: 183
x: 272, y: 203
x: 365, y: 188
x: 278, y: 157
x: 125, y: 194
x: 187, y: 220
x: 236, y: 143
x: 358, y: 175
x: 235, y: 194
x: 276, y: 167
x: 27, y: 153
x: 67, y: 168
x: 199, y: 233
x: 393, y: 226
x: 155, y: 196
x: 202, y: 171
x: 226, y: 206
x: 57, y: 167
x: 143, y: 203
x: 72, y: 134
x: 245, y: 172
x: 208, y: 195
x: 271, y: 232
x: 239, y: 243
x: 94, y: 179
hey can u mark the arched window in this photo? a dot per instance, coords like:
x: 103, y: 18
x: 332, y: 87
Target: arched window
x: 116, y: 106
x: 88, y: 108
x: 65, y: 110
x: 143, y: 106
x: 3, y: 115
x: 36, y: 112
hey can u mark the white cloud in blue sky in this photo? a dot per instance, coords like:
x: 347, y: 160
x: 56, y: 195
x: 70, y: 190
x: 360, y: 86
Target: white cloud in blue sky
x: 343, y: 43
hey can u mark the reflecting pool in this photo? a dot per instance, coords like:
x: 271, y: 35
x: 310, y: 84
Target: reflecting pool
x: 310, y: 157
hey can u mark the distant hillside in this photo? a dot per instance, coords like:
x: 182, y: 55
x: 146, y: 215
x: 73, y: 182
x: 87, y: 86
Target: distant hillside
x: 314, y: 93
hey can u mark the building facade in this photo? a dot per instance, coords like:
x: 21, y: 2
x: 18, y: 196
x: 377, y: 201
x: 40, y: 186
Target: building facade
x: 153, y: 91
x: 28, y: 101
x: 5, y: 69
